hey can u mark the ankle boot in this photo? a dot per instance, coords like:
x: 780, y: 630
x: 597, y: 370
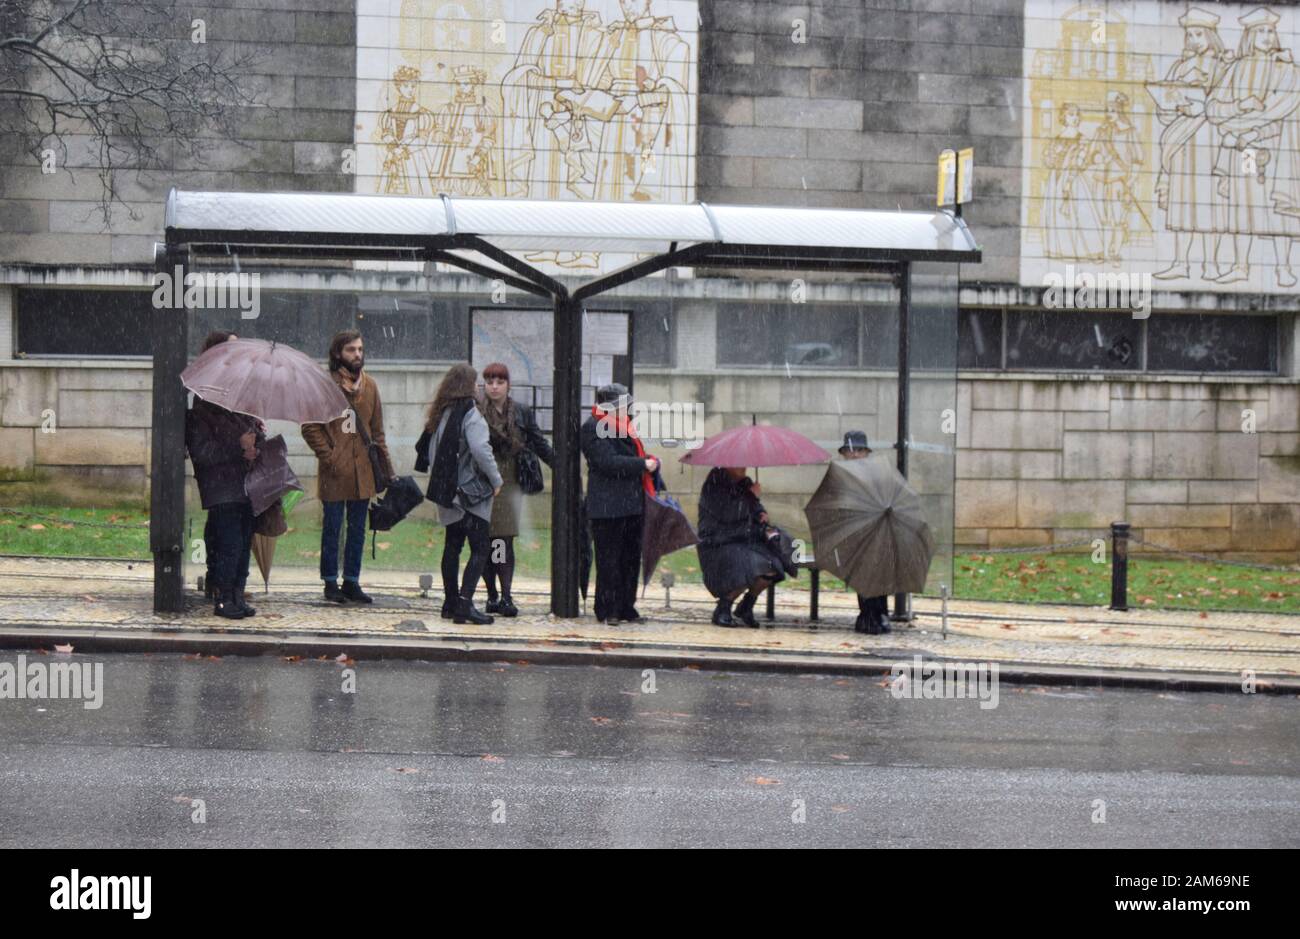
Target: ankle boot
x: 506, y: 607
x: 744, y: 612
x: 241, y: 601
x: 722, y: 613
x: 225, y: 605
x: 467, y: 613
x: 352, y: 591
x: 493, y: 605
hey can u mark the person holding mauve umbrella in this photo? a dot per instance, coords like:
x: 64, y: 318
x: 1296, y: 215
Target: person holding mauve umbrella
x: 238, y: 383
x: 741, y: 551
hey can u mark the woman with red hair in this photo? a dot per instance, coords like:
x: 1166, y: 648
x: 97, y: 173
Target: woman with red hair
x: 514, y: 434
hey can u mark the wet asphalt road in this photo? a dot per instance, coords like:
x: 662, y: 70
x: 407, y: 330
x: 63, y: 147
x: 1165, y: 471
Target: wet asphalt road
x: 527, y: 755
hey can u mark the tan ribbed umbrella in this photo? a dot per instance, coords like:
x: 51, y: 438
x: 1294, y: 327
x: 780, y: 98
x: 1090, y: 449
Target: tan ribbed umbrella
x: 868, y: 529
x: 266, y: 380
x: 264, y: 552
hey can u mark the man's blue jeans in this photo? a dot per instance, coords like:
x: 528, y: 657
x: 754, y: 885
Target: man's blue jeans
x: 355, y: 546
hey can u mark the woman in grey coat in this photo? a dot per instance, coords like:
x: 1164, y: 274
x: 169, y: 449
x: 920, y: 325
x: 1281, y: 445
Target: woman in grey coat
x: 463, y: 480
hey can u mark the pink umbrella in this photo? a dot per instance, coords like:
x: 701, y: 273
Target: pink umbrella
x: 266, y: 380
x: 756, y: 445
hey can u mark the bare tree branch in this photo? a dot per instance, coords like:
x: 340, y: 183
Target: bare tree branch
x: 124, y: 73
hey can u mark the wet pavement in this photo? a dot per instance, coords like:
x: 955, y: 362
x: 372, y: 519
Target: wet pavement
x: 113, y: 598
x: 495, y: 754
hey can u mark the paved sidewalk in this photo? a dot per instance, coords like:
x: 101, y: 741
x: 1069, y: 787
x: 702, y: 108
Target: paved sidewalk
x: 102, y: 598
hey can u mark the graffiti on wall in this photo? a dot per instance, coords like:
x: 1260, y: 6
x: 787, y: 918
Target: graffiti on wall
x: 1164, y: 138
x: 540, y: 99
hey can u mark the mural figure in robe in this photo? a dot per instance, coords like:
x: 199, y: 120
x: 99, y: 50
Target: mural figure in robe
x: 1257, y: 167
x: 1189, y: 145
x: 464, y: 156
x: 1071, y: 209
x: 1113, y: 160
x: 404, y: 129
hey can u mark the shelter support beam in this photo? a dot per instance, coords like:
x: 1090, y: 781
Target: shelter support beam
x: 169, y: 329
x: 566, y: 532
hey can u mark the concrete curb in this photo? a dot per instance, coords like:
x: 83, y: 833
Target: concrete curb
x: 478, y: 649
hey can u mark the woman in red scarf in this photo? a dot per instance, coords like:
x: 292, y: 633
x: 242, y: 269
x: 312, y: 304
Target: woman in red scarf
x: 619, y: 476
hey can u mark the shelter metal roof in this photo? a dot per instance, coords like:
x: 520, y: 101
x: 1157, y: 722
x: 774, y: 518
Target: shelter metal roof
x: 719, y: 233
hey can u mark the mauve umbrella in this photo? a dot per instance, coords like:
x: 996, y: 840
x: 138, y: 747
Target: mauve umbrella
x: 756, y: 445
x: 869, y: 530
x: 266, y: 380
x: 666, y: 529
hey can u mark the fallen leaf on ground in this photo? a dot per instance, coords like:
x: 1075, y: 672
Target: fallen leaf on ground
x: 403, y: 769
x: 66, y: 650
x: 765, y: 781
x: 489, y: 758
x: 602, y: 721
x: 839, y: 756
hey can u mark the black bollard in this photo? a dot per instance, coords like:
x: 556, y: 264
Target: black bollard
x: 1119, y: 565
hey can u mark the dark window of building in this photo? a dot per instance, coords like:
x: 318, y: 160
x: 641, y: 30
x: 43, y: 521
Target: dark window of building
x: 1073, y: 341
x: 979, y: 339
x: 83, y: 322
x: 652, y: 333
x: 396, y: 327
x: 1189, y: 342
x: 798, y: 334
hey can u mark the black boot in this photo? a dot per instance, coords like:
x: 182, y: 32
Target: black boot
x: 466, y: 612
x: 333, y: 594
x: 493, y: 605
x: 352, y: 590
x: 242, y: 602
x: 744, y: 612
x: 506, y: 607
x: 722, y: 613
x: 448, y: 608
x: 225, y: 605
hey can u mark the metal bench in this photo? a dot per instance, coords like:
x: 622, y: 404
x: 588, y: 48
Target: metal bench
x: 810, y: 565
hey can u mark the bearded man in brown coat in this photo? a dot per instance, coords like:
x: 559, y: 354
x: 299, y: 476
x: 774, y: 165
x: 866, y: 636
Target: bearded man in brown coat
x: 345, y: 479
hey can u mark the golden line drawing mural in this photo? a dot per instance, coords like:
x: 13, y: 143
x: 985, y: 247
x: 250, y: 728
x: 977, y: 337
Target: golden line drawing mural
x: 545, y: 99
x: 1162, y: 138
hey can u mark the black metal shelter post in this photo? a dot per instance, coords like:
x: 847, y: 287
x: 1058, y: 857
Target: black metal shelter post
x: 169, y: 329
x: 566, y: 533
x: 902, y: 605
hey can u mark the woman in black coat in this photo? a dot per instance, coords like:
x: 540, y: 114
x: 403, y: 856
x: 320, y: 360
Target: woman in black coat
x: 222, y: 446
x: 736, y: 545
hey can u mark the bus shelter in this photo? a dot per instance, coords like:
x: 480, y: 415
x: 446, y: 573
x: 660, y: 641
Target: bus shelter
x: 915, y: 252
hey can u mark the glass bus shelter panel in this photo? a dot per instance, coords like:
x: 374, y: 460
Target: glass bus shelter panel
x: 933, y: 412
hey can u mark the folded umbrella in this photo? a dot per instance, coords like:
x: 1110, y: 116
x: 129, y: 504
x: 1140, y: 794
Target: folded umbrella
x: 266, y: 380
x: 868, y: 529
x: 264, y: 554
x: 666, y: 529
x: 756, y: 445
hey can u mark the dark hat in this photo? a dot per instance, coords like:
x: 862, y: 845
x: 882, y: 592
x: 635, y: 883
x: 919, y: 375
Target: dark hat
x: 854, y: 440
x: 613, y: 393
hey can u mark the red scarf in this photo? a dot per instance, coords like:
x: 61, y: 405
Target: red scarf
x: 623, y: 427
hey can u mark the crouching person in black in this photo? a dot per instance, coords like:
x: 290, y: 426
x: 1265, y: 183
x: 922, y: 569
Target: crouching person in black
x: 737, y: 547
x: 619, y: 476
x: 222, y: 446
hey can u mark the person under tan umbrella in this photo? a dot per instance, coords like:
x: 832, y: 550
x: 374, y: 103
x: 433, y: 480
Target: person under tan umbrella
x: 869, y: 529
x: 873, y: 612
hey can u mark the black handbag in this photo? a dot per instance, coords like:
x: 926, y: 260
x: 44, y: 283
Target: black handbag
x: 528, y: 470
